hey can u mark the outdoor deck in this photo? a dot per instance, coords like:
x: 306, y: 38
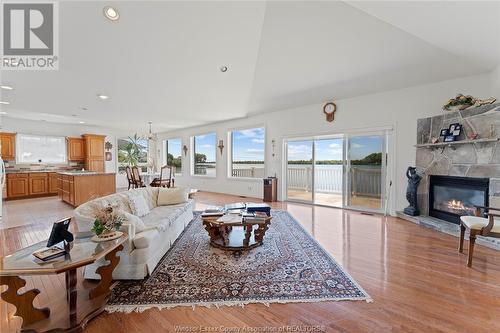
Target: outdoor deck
x: 332, y: 199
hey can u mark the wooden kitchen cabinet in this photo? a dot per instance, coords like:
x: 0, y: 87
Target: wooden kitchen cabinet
x: 17, y: 185
x: 8, y: 142
x: 80, y: 188
x: 38, y: 183
x: 53, y: 183
x: 94, y: 152
x: 32, y: 184
x: 76, y: 149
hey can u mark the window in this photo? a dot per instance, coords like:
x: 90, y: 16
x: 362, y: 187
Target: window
x: 173, y: 156
x: 40, y: 149
x: 132, y: 151
x: 247, y: 153
x: 204, y: 155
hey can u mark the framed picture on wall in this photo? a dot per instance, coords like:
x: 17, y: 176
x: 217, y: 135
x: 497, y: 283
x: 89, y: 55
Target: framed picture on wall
x: 444, y: 132
x: 455, y: 129
x: 449, y: 138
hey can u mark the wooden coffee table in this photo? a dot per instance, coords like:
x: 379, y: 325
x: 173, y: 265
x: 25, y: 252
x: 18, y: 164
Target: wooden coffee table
x: 236, y: 236
x: 72, y: 311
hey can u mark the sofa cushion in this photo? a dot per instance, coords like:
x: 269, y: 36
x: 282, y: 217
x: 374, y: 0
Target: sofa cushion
x: 163, y: 216
x: 138, y: 205
x: 172, y: 196
x: 133, y: 220
x: 145, y: 238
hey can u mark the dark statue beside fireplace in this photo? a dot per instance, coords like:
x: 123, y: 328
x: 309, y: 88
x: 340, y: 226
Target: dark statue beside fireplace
x: 411, y: 191
x: 452, y: 197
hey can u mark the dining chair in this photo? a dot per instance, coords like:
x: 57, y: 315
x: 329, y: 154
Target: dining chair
x: 165, y: 179
x: 130, y: 177
x: 137, y: 177
x: 484, y: 223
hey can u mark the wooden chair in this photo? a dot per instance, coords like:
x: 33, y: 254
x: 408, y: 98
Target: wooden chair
x: 130, y: 177
x: 165, y: 179
x: 479, y: 225
x: 137, y: 177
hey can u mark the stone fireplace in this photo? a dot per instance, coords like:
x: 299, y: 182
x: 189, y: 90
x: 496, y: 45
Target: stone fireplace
x: 466, y: 160
x: 451, y: 197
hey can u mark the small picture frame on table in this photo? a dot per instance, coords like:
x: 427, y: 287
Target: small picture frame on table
x: 444, y: 132
x: 449, y: 138
x: 455, y: 129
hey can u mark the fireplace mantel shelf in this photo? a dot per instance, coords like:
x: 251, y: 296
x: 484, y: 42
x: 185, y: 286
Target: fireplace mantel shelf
x: 462, y: 142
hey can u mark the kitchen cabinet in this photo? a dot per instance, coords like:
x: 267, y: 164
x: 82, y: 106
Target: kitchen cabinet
x: 76, y: 149
x: 79, y: 188
x: 38, y: 183
x: 17, y: 185
x: 31, y: 184
x: 67, y: 189
x: 94, y: 152
x: 8, y: 143
x: 53, y: 183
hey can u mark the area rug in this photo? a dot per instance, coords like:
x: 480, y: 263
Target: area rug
x: 289, y: 267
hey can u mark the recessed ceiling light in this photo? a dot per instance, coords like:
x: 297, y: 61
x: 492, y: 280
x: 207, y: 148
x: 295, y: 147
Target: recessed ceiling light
x: 223, y: 69
x: 111, y: 13
x: 5, y: 103
x: 103, y: 97
x: 6, y: 87
x: 3, y: 112
x: 81, y: 122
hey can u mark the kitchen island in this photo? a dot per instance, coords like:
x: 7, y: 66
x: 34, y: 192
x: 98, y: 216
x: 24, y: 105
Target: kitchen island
x: 78, y: 187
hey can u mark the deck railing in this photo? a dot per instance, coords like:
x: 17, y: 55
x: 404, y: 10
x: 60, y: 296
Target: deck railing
x: 365, y: 181
x: 251, y: 172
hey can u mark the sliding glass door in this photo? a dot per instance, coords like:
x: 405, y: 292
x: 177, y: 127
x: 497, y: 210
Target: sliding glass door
x: 328, y: 171
x: 366, y: 165
x: 339, y: 171
x: 300, y: 170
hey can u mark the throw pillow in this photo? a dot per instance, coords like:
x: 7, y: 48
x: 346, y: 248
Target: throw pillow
x: 134, y: 220
x: 138, y: 205
x: 172, y: 196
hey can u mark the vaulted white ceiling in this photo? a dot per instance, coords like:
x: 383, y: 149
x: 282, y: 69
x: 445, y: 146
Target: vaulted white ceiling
x: 161, y: 61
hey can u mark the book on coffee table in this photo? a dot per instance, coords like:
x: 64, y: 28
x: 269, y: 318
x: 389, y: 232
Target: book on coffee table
x: 213, y: 211
x: 235, y: 206
x: 50, y: 253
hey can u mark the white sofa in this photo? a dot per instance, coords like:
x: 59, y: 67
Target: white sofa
x: 145, y: 247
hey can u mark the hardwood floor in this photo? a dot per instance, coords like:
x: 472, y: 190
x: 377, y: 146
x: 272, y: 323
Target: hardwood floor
x: 418, y: 280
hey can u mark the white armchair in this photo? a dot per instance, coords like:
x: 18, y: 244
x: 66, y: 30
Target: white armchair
x: 479, y: 225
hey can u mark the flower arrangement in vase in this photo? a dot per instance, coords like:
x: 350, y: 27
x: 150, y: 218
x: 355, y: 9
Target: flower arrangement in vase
x: 106, y: 224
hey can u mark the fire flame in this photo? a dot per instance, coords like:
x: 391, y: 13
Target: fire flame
x: 456, y: 204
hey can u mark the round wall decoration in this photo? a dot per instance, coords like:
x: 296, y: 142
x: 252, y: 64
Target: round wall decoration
x: 329, y: 109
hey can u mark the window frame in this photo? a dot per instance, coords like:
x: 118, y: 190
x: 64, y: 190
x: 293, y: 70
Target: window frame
x: 119, y: 164
x: 18, y: 147
x: 193, y: 154
x: 165, y: 155
x: 230, y: 152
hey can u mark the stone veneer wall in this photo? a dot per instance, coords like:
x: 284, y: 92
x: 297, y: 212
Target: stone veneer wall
x: 465, y: 160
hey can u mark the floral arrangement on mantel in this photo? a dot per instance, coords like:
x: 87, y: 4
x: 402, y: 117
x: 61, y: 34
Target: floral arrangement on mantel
x: 462, y: 102
x: 107, y: 222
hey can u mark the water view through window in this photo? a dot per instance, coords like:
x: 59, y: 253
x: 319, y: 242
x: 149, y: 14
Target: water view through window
x: 248, y: 153
x: 204, y: 155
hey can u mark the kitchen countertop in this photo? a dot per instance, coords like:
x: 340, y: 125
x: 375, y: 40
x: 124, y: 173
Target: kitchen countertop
x: 34, y: 171
x: 62, y: 172
x: 86, y: 173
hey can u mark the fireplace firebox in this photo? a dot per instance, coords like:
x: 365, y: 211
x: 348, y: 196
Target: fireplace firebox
x: 452, y: 197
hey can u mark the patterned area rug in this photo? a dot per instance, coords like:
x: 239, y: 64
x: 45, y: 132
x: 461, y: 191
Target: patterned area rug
x: 289, y: 267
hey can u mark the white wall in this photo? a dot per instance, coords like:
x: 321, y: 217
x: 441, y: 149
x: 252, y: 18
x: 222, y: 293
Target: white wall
x: 399, y: 109
x: 46, y: 128
x: 495, y: 83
